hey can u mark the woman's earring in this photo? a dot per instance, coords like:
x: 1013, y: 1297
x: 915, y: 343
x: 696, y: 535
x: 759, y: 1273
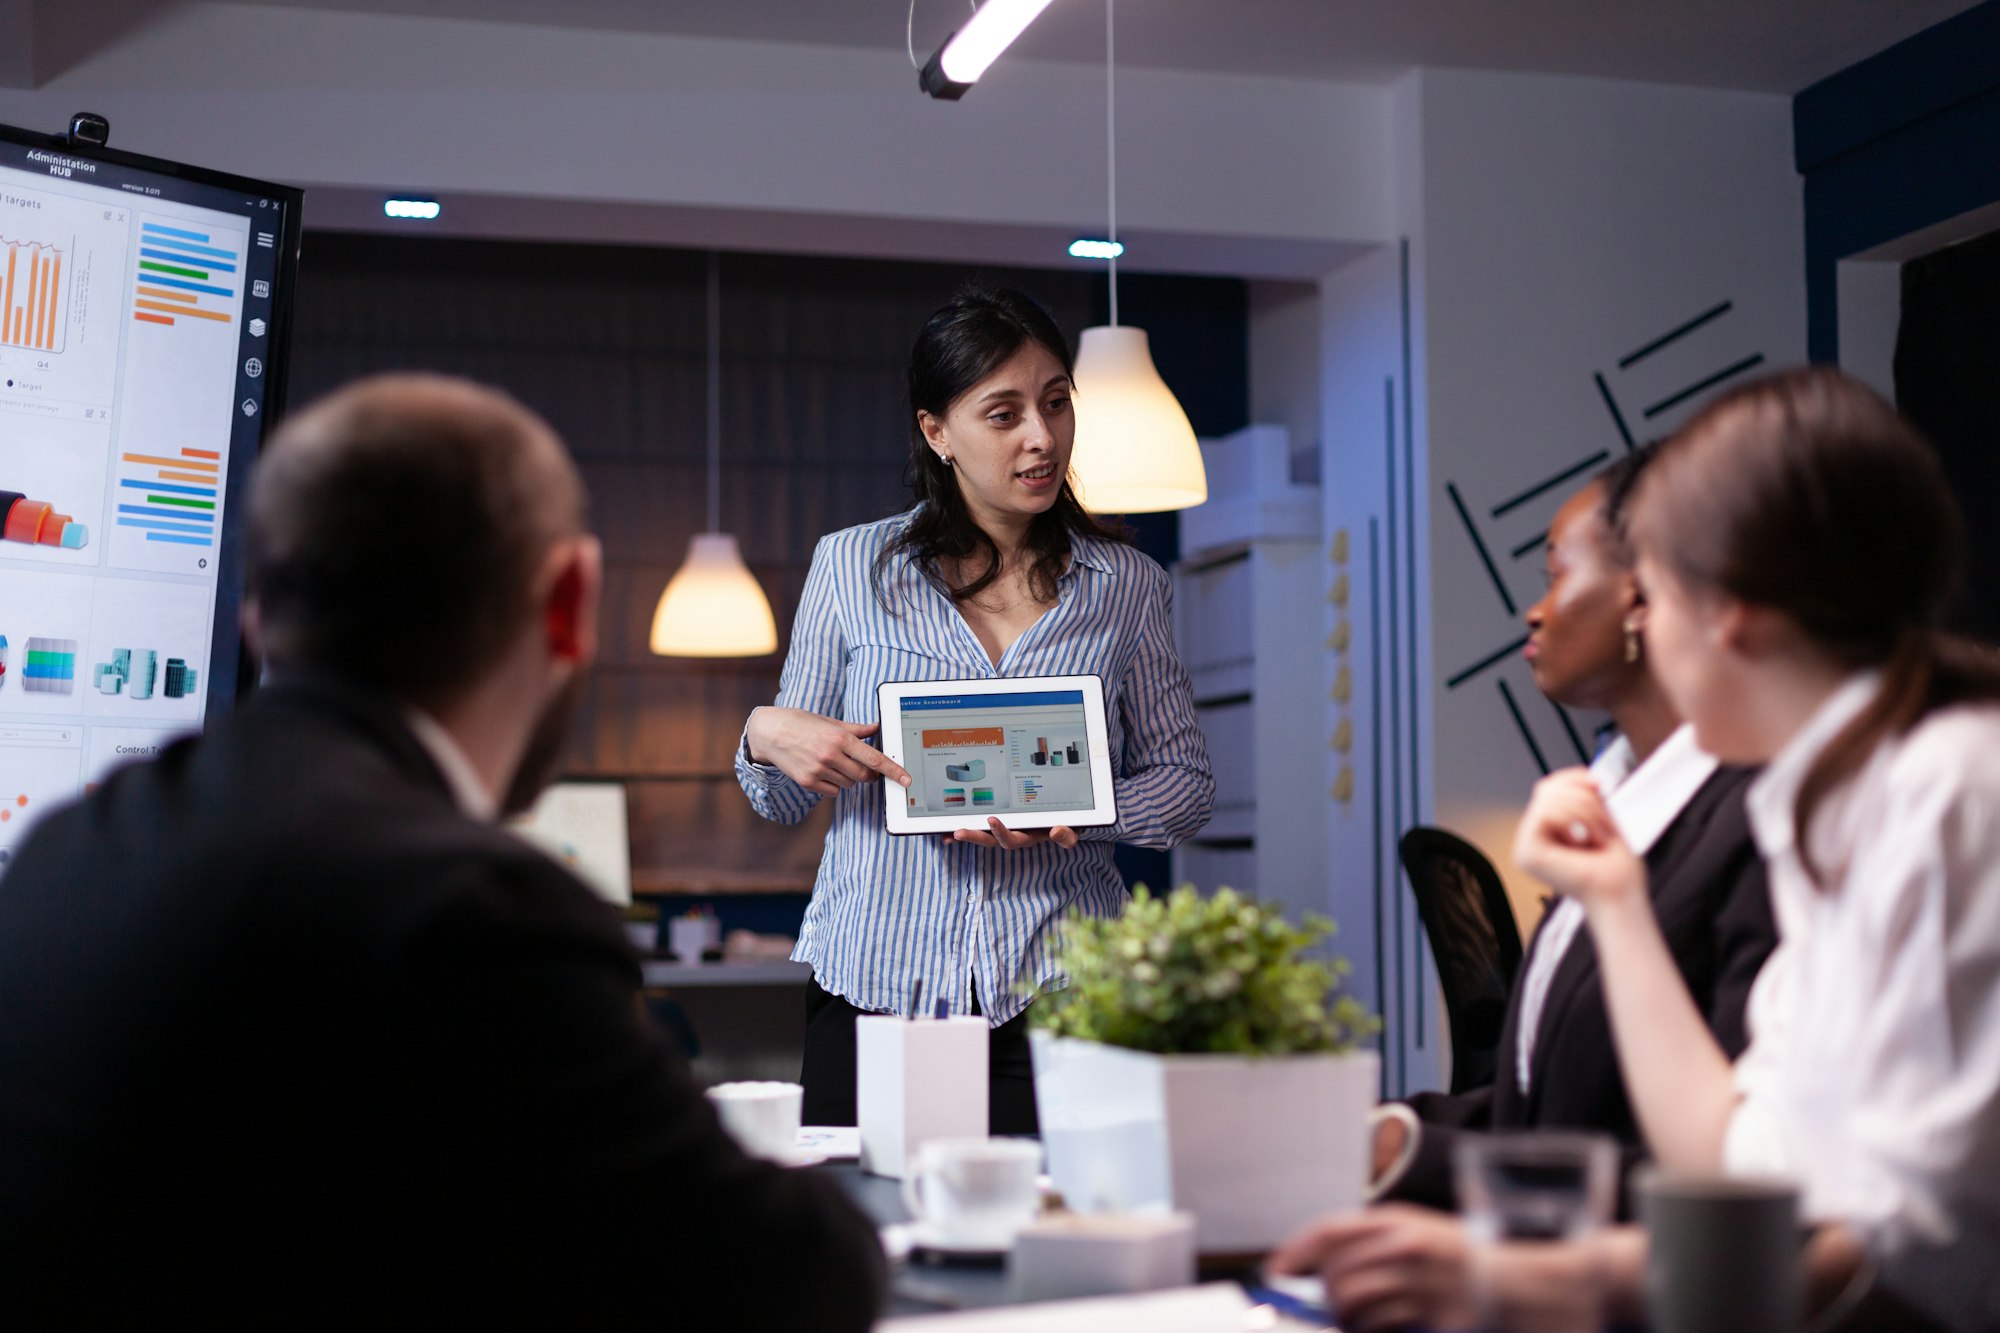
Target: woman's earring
x: 944, y: 458
x: 1633, y: 649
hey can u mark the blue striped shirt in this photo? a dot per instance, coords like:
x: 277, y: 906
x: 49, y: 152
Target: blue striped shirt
x: 888, y: 911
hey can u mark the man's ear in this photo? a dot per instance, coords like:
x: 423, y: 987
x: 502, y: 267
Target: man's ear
x: 574, y: 583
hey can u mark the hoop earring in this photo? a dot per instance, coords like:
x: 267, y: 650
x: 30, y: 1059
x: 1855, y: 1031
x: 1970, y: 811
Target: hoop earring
x: 944, y: 459
x: 1634, y: 650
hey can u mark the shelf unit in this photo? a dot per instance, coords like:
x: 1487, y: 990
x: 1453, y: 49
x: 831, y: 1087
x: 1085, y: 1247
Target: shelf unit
x: 1246, y: 598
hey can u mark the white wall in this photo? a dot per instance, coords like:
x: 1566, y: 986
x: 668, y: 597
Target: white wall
x: 1556, y: 226
x: 379, y: 102
x: 1285, y: 367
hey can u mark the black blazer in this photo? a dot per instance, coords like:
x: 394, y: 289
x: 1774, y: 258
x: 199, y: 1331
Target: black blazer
x: 286, y: 1039
x: 1709, y: 892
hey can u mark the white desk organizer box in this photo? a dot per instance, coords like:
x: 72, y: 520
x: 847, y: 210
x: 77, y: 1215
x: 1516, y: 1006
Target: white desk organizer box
x: 914, y: 1082
x: 1074, y: 1255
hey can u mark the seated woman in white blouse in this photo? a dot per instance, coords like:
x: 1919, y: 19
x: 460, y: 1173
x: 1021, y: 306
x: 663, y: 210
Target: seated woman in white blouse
x: 1798, y: 550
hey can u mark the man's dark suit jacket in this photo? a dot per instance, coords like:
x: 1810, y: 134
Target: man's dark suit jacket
x: 287, y: 1039
x: 1709, y: 892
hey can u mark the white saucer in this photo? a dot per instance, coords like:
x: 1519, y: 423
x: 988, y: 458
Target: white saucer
x: 902, y: 1239
x: 796, y: 1156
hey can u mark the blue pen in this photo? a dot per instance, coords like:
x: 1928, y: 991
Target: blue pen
x: 1317, y: 1315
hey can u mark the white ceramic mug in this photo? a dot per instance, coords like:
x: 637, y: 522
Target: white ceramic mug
x: 763, y: 1118
x: 975, y: 1193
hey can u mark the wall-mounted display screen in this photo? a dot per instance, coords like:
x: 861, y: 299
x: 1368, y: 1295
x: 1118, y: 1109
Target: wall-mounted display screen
x: 143, y: 320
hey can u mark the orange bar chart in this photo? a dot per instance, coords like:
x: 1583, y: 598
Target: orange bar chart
x: 32, y: 309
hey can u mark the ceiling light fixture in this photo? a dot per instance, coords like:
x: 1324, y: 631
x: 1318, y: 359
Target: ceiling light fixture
x: 1135, y: 452
x: 955, y: 66
x: 713, y: 606
x: 424, y: 210
x: 1086, y: 248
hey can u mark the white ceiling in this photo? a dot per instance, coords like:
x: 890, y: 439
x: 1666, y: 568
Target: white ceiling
x: 1766, y: 45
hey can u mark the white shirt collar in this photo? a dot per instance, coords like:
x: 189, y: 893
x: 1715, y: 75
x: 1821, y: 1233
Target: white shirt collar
x: 468, y: 789
x: 1645, y: 798
x: 1773, y: 795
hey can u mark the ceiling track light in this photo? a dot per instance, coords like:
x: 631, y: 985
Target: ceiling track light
x: 955, y: 66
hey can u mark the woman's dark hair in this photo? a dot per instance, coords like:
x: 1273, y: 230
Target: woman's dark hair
x: 1616, y: 483
x: 1807, y: 493
x: 965, y: 340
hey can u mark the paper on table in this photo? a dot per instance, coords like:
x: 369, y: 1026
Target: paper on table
x: 1219, y: 1307
x: 830, y: 1141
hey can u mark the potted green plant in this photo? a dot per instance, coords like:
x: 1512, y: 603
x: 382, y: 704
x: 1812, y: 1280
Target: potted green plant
x: 1199, y: 1060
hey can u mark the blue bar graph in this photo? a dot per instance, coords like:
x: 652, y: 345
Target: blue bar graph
x: 187, y: 248
x: 206, y: 492
x: 205, y: 533
x: 169, y: 254
x: 174, y: 231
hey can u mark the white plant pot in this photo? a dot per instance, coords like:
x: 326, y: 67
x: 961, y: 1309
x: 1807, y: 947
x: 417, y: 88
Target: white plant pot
x: 1251, y: 1147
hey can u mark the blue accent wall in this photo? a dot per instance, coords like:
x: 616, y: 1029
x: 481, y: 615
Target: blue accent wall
x: 1906, y: 139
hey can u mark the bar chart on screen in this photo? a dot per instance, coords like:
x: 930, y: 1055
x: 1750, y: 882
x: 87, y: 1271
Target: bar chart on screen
x: 183, y: 277
x: 170, y: 497
x: 34, y: 295
x: 61, y: 261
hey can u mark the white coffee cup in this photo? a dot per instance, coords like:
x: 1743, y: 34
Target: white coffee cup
x: 763, y: 1118
x: 975, y: 1193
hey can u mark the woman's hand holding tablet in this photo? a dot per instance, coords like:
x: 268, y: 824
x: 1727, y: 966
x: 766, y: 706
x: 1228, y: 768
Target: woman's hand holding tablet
x: 1062, y: 835
x: 1001, y: 763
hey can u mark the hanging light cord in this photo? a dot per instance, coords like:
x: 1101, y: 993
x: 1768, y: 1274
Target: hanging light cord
x: 714, y: 391
x: 910, y: 32
x: 1111, y: 141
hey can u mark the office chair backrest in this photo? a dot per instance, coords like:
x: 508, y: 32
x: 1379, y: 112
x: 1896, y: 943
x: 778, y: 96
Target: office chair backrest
x: 1470, y: 925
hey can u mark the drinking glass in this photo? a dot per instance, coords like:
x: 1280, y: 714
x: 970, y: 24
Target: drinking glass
x: 1537, y: 1187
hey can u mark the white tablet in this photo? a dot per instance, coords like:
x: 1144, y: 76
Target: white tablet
x: 1032, y: 750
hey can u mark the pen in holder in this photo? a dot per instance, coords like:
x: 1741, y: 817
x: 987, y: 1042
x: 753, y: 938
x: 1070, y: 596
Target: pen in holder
x: 914, y: 1082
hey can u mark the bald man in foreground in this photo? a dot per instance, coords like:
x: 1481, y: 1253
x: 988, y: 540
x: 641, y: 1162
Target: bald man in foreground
x: 292, y: 1034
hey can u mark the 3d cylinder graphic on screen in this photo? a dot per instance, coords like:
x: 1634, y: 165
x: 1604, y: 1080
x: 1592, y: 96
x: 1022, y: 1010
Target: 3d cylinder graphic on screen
x: 3, y: 660
x: 36, y: 523
x: 133, y: 672
x: 1074, y: 757
x: 111, y: 676
x: 972, y: 770
x: 180, y: 680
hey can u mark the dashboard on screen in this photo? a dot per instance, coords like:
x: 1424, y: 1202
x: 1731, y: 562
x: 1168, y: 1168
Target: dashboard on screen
x: 144, y: 310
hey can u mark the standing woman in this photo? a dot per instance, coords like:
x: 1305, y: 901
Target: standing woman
x: 996, y: 571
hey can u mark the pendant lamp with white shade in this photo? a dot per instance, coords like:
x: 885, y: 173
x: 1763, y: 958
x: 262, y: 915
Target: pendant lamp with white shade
x: 1135, y: 451
x: 713, y: 605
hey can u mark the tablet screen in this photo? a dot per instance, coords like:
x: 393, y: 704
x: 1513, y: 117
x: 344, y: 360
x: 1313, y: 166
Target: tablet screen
x: 997, y: 753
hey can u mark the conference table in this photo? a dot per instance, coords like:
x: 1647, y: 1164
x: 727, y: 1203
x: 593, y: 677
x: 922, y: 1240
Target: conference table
x: 921, y: 1287
x: 918, y: 1287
